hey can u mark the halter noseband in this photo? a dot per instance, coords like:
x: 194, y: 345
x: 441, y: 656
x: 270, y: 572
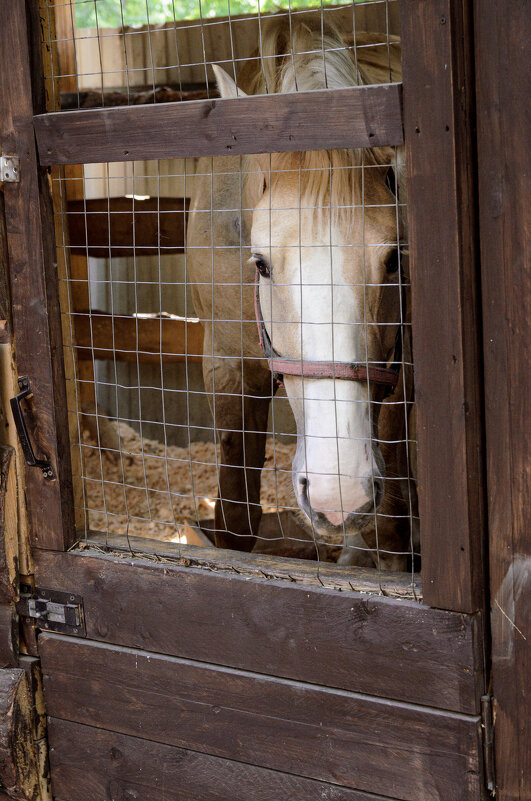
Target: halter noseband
x: 348, y: 371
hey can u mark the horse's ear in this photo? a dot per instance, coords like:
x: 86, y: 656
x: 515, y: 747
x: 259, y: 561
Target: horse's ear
x: 226, y: 86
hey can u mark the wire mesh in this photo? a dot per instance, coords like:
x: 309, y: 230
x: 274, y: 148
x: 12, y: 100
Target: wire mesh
x: 180, y: 431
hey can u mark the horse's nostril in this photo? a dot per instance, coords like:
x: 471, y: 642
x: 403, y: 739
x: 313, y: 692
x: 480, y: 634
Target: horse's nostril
x: 304, y: 485
x: 378, y: 484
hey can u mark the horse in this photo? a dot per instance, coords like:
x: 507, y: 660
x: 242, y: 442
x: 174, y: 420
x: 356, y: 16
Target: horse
x: 307, y: 244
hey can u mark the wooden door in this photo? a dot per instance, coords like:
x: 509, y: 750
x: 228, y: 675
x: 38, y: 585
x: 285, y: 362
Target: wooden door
x: 217, y: 675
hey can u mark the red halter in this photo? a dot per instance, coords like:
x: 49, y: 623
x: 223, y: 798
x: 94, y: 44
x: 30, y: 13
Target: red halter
x: 348, y: 371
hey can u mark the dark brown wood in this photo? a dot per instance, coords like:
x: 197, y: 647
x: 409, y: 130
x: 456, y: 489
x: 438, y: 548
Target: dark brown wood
x: 5, y: 314
x: 364, y: 643
x: 144, y: 339
x: 122, y: 226
x: 8, y: 527
x: 503, y: 153
x: 361, y: 116
x: 28, y: 637
x: 89, y: 764
x: 36, y: 324
x: 328, y: 735
x: 259, y: 565
x: 93, y: 98
x: 8, y: 636
x: 18, y: 759
x: 438, y: 124
x: 32, y: 667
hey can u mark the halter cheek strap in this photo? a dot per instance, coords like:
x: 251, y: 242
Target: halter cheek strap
x: 347, y: 371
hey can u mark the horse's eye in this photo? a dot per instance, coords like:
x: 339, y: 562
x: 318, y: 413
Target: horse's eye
x: 262, y: 266
x: 393, y: 262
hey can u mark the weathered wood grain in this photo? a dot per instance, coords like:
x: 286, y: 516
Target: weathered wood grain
x: 32, y: 667
x: 395, y: 649
x: 148, y: 340
x: 5, y: 314
x: 8, y: 525
x: 36, y: 319
x: 18, y: 759
x: 122, y: 226
x: 503, y: 151
x: 438, y: 123
x: 89, y: 764
x: 361, y: 116
x: 260, y: 565
x: 297, y: 728
x: 9, y: 636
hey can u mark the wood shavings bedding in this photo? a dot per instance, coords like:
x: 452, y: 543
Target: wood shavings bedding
x: 148, y: 491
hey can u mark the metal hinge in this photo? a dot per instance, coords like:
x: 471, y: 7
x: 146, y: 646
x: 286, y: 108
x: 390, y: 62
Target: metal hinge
x: 487, y: 725
x: 52, y: 610
x: 9, y: 169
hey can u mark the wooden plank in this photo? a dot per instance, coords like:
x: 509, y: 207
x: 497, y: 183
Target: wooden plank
x: 438, y: 123
x: 8, y: 526
x: 361, y: 116
x: 89, y: 764
x: 503, y: 145
x: 295, y: 570
x: 29, y: 226
x: 122, y: 226
x: 5, y: 314
x: 145, y: 339
x: 18, y: 759
x: 364, y: 643
x: 9, y: 636
x: 332, y: 736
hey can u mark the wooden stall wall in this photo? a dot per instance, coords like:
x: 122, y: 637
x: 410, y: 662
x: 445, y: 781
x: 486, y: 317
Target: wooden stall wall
x: 263, y: 683
x: 502, y: 42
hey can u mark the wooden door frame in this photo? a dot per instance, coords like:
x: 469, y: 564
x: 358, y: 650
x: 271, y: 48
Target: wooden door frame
x: 448, y: 373
x: 502, y: 100
x: 439, y: 111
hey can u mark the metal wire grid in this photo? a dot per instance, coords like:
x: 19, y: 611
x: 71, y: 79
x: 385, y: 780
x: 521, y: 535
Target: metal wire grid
x: 179, y: 52
x: 113, y: 463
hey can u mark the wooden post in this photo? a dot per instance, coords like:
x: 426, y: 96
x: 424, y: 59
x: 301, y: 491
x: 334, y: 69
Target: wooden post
x: 19, y: 774
x: 37, y: 329
x: 439, y: 135
x: 503, y: 144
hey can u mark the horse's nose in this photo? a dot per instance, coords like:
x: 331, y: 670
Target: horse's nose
x: 313, y: 501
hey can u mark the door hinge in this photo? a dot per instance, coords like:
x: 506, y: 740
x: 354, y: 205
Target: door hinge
x: 52, y: 610
x: 10, y: 169
x: 487, y: 725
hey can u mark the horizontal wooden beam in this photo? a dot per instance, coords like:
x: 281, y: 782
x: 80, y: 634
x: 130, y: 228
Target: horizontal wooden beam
x: 364, y: 643
x: 262, y: 564
x: 86, y: 762
x: 124, y: 226
x: 289, y: 726
x: 147, y: 340
x: 360, y: 116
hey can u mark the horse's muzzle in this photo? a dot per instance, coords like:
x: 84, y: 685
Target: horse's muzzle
x: 341, y: 520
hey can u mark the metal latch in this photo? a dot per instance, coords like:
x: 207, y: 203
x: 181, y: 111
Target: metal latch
x: 53, y: 610
x: 9, y: 169
x: 487, y: 724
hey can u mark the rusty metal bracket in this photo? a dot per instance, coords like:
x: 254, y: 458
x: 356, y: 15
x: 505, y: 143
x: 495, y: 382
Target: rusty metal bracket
x: 10, y: 169
x: 52, y: 610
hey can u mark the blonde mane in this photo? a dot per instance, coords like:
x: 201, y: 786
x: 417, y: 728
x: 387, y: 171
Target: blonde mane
x: 306, y: 57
